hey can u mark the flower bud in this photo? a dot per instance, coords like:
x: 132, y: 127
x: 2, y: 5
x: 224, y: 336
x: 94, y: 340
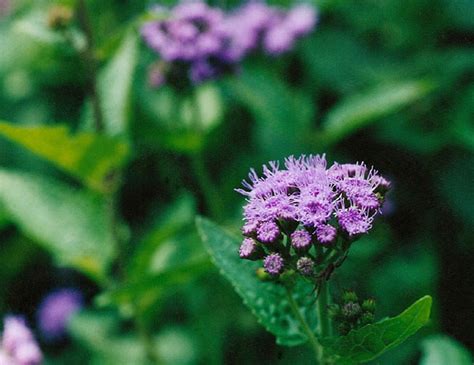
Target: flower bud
x: 305, y: 266
x: 368, y: 305
x: 273, y: 264
x: 250, y: 250
x: 349, y: 296
x: 351, y: 310
x: 301, y: 241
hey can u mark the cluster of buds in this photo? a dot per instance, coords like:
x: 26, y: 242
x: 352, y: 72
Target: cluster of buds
x: 352, y: 313
x: 304, y: 217
x: 59, y: 17
x: 201, y: 42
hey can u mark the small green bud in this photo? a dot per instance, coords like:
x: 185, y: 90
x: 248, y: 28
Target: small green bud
x: 344, y: 328
x: 368, y: 305
x: 367, y: 318
x: 349, y: 296
x: 263, y: 275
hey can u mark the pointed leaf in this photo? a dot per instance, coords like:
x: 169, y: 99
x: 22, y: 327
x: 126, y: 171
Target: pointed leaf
x: 267, y: 300
x: 358, y: 111
x: 371, y: 341
x: 87, y: 156
x: 114, y: 86
x: 71, y: 224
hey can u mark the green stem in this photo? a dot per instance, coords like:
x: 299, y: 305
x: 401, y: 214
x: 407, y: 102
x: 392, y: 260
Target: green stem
x: 313, y: 341
x: 91, y: 64
x: 323, y: 315
x: 147, y: 340
x: 209, y: 190
x: 206, y: 185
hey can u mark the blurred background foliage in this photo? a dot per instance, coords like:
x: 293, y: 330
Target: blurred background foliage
x: 385, y: 82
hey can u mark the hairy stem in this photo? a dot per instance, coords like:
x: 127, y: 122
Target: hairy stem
x: 313, y: 341
x: 91, y: 64
x: 323, y: 315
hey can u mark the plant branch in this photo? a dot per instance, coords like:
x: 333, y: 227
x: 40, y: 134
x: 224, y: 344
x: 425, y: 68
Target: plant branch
x: 313, y: 341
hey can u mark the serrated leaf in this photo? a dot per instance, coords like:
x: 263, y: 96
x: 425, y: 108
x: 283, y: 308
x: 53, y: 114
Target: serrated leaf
x: 370, y: 341
x: 442, y: 350
x: 71, y: 224
x: 267, y: 300
x: 89, y: 157
x: 358, y: 111
x: 114, y: 86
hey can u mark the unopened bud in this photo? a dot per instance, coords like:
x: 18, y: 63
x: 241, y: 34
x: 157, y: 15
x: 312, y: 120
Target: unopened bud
x: 59, y: 17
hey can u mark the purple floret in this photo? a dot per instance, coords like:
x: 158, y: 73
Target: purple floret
x: 354, y: 221
x: 273, y: 264
x: 55, y: 311
x: 301, y: 240
x: 326, y: 234
x: 268, y: 232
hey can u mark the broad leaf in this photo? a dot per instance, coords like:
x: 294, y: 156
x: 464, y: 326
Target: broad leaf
x: 87, y: 156
x: 442, y: 350
x: 372, y: 340
x: 114, y: 86
x: 358, y: 111
x: 267, y: 300
x: 71, y: 224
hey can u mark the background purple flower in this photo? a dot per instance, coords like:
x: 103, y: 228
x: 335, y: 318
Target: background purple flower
x: 55, y: 310
x: 18, y: 343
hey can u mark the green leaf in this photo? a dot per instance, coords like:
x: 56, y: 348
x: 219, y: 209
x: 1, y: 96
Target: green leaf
x: 114, y: 86
x: 87, y: 156
x: 442, y: 350
x: 267, y: 300
x: 356, y: 112
x: 277, y: 110
x: 98, y: 333
x: 71, y: 224
x: 160, y: 240
x: 146, y: 291
x: 371, y: 341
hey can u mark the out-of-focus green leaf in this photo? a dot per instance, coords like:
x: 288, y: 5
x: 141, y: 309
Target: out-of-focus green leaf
x: 114, y: 86
x: 96, y: 332
x: 267, y: 300
x: 178, y: 217
x: 143, y: 293
x: 87, y: 156
x: 358, y: 111
x: 283, y: 116
x: 443, y: 350
x: 71, y: 224
x: 370, y: 341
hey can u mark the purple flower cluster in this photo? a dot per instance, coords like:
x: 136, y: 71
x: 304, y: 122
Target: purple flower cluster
x: 306, y: 205
x: 55, y: 310
x: 203, y: 42
x: 18, y: 344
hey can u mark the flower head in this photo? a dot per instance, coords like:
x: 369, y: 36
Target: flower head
x: 203, y: 42
x: 304, y: 202
x: 55, y: 310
